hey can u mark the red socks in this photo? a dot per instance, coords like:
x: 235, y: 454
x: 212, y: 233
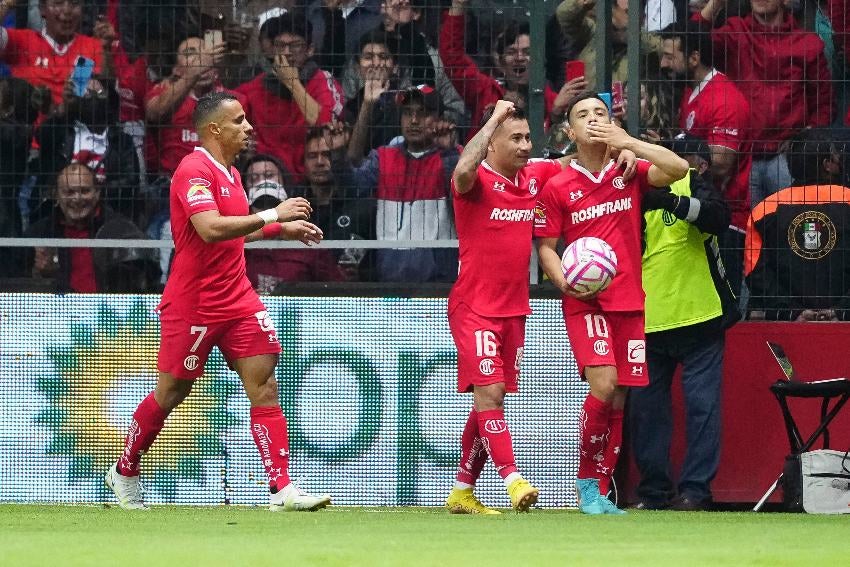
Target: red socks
x: 148, y: 420
x: 268, y: 426
x: 473, y: 456
x: 593, y: 437
x: 497, y: 440
x: 612, y: 449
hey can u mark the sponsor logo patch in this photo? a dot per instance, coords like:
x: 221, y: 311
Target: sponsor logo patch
x: 637, y: 351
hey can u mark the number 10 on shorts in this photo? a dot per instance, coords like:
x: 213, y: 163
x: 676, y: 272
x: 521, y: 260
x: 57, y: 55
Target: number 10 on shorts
x: 485, y: 343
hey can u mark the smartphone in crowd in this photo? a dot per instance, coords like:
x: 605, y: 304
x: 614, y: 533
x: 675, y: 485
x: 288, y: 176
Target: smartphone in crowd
x: 213, y: 38
x: 81, y: 75
x: 617, y: 96
x: 573, y: 70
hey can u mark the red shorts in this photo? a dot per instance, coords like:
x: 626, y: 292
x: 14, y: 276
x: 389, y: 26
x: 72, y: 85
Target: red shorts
x: 184, y: 347
x: 489, y: 349
x: 610, y: 339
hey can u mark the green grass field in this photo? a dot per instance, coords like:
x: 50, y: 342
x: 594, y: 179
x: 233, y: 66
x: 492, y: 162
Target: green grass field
x: 166, y: 535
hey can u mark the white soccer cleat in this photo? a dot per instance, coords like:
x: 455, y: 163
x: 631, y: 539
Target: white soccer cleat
x: 293, y: 499
x: 127, y: 489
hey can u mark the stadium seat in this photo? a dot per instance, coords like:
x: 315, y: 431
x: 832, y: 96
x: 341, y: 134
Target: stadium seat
x: 789, y: 387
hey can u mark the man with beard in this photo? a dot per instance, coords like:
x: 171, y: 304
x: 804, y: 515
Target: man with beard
x: 47, y: 58
x: 87, y: 133
x: 713, y: 109
x: 170, y: 104
x: 293, y: 96
x: 513, y: 60
x: 783, y: 71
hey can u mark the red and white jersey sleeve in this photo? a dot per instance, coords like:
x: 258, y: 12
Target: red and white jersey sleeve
x: 208, y: 281
x: 718, y: 113
x: 494, y: 224
x: 578, y: 203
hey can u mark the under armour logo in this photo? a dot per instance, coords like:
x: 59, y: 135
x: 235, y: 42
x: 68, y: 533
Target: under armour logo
x: 41, y: 62
x: 497, y: 186
x: 576, y: 195
x: 637, y: 370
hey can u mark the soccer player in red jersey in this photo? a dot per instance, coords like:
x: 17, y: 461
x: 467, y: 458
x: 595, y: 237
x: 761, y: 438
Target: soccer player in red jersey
x: 208, y: 301
x: 606, y: 329
x: 494, y: 201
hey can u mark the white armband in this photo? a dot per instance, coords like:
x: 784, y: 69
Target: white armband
x: 268, y: 216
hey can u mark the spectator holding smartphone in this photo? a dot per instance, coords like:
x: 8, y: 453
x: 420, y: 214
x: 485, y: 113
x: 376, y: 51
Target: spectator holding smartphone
x: 47, y: 58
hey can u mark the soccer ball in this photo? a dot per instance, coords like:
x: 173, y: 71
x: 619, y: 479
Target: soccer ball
x: 589, y: 264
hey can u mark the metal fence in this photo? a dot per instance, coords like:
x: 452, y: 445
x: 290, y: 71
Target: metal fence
x: 363, y: 108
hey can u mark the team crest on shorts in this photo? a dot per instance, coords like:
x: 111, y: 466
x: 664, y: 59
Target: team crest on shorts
x: 487, y: 367
x: 600, y: 347
x: 191, y: 362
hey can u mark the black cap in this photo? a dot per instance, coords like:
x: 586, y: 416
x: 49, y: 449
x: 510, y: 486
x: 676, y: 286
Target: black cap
x: 426, y: 95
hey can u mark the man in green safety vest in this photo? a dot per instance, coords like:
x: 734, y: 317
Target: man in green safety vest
x: 689, y: 306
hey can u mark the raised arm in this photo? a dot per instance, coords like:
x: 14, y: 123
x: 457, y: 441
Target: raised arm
x: 476, y: 149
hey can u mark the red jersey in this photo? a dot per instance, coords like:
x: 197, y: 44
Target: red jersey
x: 208, y: 282
x: 494, y: 224
x: 132, y: 83
x: 279, y: 124
x: 39, y: 60
x: 176, y: 140
x: 578, y: 203
x: 717, y: 112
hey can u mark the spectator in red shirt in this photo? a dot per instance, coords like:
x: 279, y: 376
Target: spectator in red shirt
x: 292, y: 98
x: 713, y: 109
x: 169, y: 105
x: 47, y: 58
x: 782, y: 71
x: 513, y: 61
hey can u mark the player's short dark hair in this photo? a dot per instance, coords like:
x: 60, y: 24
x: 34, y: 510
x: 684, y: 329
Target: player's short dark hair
x: 379, y: 37
x: 580, y: 97
x: 518, y: 114
x: 692, y: 37
x: 509, y: 35
x: 293, y: 22
x: 807, y: 153
x: 207, y: 105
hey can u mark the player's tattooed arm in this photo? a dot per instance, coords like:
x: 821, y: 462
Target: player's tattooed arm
x: 476, y: 150
x: 550, y: 261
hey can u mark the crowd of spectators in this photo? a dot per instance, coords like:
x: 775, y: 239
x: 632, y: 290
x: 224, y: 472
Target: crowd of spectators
x: 362, y: 106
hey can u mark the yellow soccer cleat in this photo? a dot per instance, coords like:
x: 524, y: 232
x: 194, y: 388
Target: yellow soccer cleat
x: 463, y: 501
x: 523, y: 495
